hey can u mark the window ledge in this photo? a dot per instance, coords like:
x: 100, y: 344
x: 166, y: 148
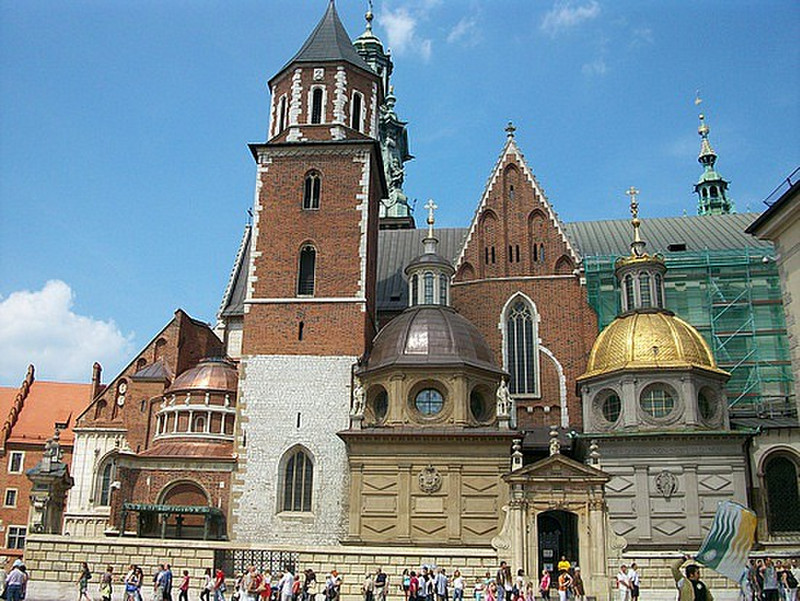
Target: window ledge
x: 305, y: 517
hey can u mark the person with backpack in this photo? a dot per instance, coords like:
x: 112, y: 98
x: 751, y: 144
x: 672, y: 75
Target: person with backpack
x: 83, y: 582
x: 790, y: 580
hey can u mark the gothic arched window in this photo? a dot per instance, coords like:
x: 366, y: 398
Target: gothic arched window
x: 521, y: 348
x: 355, y: 117
x: 659, y: 283
x: 311, y: 190
x: 298, y: 480
x: 282, y: 114
x: 316, y: 105
x: 305, y: 278
x: 780, y: 477
x: 629, y: 302
x: 414, y: 290
x: 442, y: 289
x: 106, y: 477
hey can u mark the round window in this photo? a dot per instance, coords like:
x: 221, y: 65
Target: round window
x: 429, y: 401
x: 478, y: 406
x: 705, y: 404
x: 611, y: 407
x: 657, y: 400
x: 381, y: 405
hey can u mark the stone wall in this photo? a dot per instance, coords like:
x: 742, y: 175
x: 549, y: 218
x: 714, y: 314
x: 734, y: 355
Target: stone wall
x: 288, y: 403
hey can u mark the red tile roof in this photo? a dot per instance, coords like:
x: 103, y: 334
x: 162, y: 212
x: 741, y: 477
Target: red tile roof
x: 45, y: 404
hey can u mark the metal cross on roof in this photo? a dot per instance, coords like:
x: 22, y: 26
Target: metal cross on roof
x: 431, y: 206
x: 632, y: 192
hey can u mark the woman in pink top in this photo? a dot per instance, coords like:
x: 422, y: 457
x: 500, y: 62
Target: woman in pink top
x: 544, y: 585
x: 184, y: 587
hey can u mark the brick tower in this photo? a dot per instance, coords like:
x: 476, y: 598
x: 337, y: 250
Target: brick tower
x: 309, y: 306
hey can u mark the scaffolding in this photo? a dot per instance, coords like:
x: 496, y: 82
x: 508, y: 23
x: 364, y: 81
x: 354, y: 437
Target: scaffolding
x: 733, y: 298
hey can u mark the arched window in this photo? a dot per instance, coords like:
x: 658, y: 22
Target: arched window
x: 100, y: 409
x: 629, y: 303
x: 414, y: 290
x: 305, y: 279
x: 644, y: 290
x: 281, y: 114
x: 442, y: 289
x: 521, y: 348
x: 780, y: 477
x: 199, y: 423
x: 311, y: 189
x: 659, y: 291
x: 298, y: 479
x: 428, y: 281
x: 541, y: 253
x: 104, y: 485
x: 316, y: 105
x: 713, y: 191
x: 355, y: 117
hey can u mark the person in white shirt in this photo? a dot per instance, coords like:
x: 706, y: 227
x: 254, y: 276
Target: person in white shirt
x: 623, y: 584
x: 286, y: 584
x: 633, y: 576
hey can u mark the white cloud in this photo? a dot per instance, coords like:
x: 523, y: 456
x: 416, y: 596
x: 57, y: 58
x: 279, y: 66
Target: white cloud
x: 401, y: 30
x: 596, y: 67
x: 642, y: 35
x: 40, y: 327
x: 466, y: 31
x: 566, y: 15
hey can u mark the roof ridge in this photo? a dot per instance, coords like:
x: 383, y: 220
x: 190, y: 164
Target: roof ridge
x: 16, y: 407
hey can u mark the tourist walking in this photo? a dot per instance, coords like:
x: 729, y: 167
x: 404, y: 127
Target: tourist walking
x: 790, y: 574
x: 167, y: 582
x: 578, y: 588
x: 219, y: 586
x: 633, y: 574
x: 458, y: 586
x: 132, y: 583
x: 106, y: 582
x: 381, y: 585
x: 690, y: 587
x: 208, y: 586
x: 564, y: 585
x: 502, y: 580
x: 770, y: 586
x: 368, y: 588
x: 83, y: 582
x: 440, y: 584
x: 544, y: 585
x: 183, y: 587
x: 406, y: 584
x: 624, y: 584
x: 286, y: 584
x: 15, y: 582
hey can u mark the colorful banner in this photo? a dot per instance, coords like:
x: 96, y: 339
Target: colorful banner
x: 729, y: 541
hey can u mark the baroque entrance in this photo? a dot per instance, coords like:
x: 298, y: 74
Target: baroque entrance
x: 557, y: 507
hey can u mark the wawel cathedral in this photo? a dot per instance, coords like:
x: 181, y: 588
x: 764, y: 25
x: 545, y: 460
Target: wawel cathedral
x: 435, y: 395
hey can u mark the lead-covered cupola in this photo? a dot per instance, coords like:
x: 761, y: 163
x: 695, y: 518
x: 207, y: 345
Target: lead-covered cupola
x: 430, y: 365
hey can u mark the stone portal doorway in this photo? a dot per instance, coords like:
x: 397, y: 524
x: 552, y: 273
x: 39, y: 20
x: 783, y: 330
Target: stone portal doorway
x: 558, y: 535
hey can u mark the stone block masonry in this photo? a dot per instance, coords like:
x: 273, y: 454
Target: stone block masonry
x: 289, y: 403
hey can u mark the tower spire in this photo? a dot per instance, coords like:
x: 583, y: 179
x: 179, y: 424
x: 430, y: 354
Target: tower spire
x: 638, y: 245
x: 711, y: 189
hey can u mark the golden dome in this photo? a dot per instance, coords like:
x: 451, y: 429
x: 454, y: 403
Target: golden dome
x: 648, y: 340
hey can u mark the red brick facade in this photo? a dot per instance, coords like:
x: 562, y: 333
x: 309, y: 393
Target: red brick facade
x: 516, y: 245
x: 338, y: 318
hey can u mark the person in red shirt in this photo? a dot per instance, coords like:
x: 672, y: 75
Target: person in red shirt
x: 184, y: 587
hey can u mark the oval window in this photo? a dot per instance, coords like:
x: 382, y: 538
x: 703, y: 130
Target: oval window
x: 429, y: 401
x: 611, y: 407
x: 657, y: 400
x: 381, y: 405
x: 706, y: 405
x: 478, y: 406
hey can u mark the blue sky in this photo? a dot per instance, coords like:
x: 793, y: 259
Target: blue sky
x: 125, y: 176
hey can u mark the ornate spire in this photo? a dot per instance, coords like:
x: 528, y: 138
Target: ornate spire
x: 637, y: 246
x: 510, y: 129
x: 430, y: 206
x: 711, y: 189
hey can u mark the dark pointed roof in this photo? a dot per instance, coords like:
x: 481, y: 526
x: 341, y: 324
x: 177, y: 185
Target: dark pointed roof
x: 328, y: 42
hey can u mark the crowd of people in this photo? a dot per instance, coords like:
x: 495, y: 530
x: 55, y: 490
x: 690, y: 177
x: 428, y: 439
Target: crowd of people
x: 763, y: 580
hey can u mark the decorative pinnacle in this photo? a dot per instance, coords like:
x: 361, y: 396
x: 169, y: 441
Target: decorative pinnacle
x: 637, y: 246
x: 431, y: 220
x: 369, y: 16
x: 510, y: 129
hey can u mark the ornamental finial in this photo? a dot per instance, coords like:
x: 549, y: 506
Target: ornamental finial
x: 369, y: 16
x: 637, y: 246
x: 431, y: 206
x: 510, y: 129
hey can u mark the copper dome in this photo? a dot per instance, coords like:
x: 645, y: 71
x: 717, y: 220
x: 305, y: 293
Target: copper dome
x: 210, y: 374
x: 430, y: 335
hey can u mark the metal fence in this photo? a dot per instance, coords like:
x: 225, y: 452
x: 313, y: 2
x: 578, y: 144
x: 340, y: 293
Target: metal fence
x: 233, y: 561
